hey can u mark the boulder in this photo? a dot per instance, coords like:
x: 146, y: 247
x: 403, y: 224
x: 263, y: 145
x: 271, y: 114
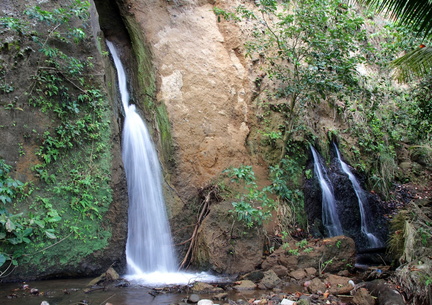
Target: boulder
x: 298, y: 274
x: 338, y: 284
x: 386, y: 292
x: 224, y: 251
x: 200, y: 287
x: 363, y: 297
x: 310, y: 271
x: 280, y: 270
x: 326, y: 255
x: 316, y: 285
x: 289, y: 261
x: 270, y: 279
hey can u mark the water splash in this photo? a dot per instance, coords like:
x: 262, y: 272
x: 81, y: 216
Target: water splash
x: 330, y: 217
x: 149, y: 243
x: 374, y: 242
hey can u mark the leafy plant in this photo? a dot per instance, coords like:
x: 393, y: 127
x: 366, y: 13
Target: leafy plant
x: 254, y: 205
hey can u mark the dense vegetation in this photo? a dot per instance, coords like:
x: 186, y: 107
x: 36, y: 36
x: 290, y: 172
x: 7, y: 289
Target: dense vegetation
x: 328, y: 55
x: 65, y: 141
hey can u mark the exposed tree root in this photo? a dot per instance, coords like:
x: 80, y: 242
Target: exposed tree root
x: 208, y: 194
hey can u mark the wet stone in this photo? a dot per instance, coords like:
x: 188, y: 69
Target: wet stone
x: 245, y: 285
x: 194, y: 298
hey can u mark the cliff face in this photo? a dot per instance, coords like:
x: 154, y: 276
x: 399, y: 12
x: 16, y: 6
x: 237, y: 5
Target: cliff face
x: 60, y: 135
x: 204, y: 81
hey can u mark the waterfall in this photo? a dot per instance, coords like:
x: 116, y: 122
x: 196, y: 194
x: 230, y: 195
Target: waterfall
x: 330, y: 217
x: 149, y: 244
x: 149, y: 251
x: 374, y: 242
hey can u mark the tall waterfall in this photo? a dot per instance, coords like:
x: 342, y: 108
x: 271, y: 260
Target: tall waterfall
x: 149, y: 243
x: 365, y: 216
x: 330, y: 217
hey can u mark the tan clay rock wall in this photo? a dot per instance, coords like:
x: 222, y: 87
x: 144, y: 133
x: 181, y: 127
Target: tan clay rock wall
x: 204, y: 83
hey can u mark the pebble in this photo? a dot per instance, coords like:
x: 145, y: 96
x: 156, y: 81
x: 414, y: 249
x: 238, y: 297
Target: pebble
x: 194, y: 298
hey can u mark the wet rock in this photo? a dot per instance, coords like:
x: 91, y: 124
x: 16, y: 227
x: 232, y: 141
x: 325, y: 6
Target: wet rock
x: 271, y: 260
x: 363, y: 297
x: 193, y: 298
x: 254, y: 276
x: 200, y: 287
x: 298, y: 274
x: 343, y: 273
x: 289, y: 261
x: 280, y: 270
x: 385, y: 292
x: 245, y: 285
x: 316, y: 285
x: 338, y: 284
x: 270, y: 279
x: 220, y: 296
x: 310, y: 271
x: 107, y: 277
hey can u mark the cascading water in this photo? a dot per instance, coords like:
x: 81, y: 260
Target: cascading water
x: 330, y: 217
x: 374, y: 242
x: 149, y: 251
x: 149, y: 243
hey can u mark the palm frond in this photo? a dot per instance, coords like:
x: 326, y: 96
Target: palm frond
x: 414, y: 13
x: 415, y: 64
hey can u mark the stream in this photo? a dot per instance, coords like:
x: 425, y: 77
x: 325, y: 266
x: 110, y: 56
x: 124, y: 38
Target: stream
x: 72, y: 291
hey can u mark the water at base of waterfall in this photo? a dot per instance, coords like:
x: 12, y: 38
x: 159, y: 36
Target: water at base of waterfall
x: 158, y: 278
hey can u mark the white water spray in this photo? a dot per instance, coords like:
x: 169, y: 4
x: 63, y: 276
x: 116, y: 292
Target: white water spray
x: 330, y: 217
x: 374, y: 242
x: 149, y: 251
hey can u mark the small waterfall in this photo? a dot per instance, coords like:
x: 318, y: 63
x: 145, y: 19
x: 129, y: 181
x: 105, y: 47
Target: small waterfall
x: 374, y: 242
x: 149, y: 244
x: 330, y: 217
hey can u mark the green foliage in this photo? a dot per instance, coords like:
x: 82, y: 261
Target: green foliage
x: 421, y: 110
x: 319, y: 51
x: 413, y: 13
x: 74, y: 191
x: 287, y: 181
x: 17, y: 229
x: 310, y: 53
x: 302, y: 244
x: 254, y: 205
x: 9, y: 188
